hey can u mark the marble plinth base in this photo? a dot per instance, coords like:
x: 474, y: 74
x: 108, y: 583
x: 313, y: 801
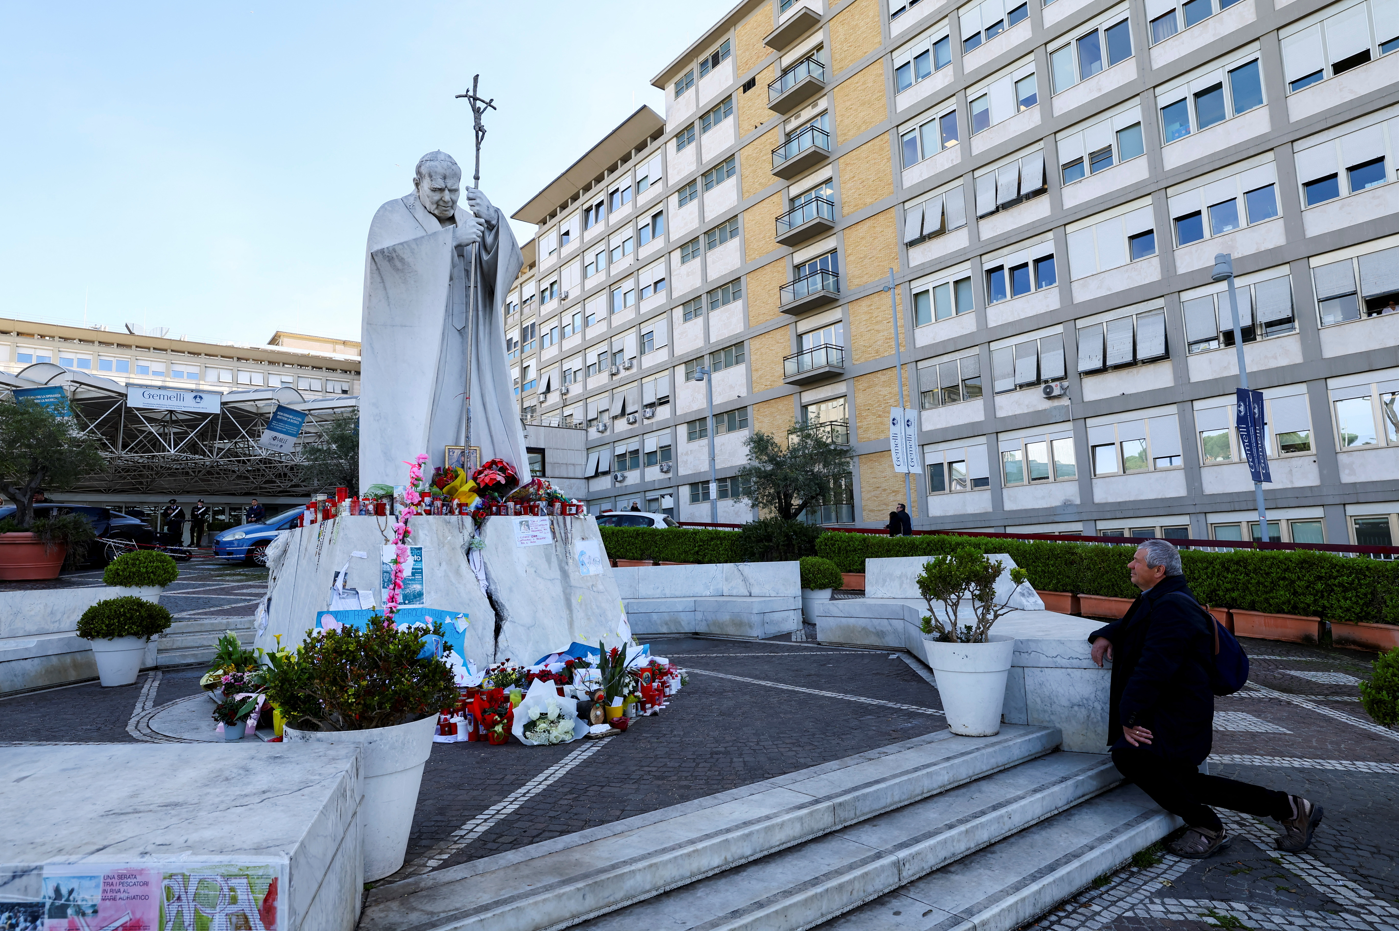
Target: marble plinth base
x: 1053, y: 681
x: 39, y: 642
x: 165, y: 804
x: 750, y: 600
x: 543, y: 601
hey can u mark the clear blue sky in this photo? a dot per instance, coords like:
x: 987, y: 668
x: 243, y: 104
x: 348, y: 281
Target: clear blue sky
x: 213, y: 167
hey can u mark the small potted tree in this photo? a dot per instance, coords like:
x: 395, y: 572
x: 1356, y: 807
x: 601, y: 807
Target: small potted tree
x: 819, y: 578
x: 41, y: 448
x: 970, y: 665
x: 118, y: 629
x: 380, y: 689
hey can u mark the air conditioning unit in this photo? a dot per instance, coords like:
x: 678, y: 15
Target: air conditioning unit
x: 616, y: 370
x: 564, y: 296
x: 601, y: 426
x: 629, y: 364
x: 665, y: 468
x: 1055, y: 389
x: 619, y: 477
x: 631, y: 418
x: 563, y: 391
x: 543, y: 398
x: 648, y: 412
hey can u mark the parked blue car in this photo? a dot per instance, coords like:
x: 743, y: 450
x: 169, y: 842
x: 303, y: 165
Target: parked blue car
x: 248, y: 542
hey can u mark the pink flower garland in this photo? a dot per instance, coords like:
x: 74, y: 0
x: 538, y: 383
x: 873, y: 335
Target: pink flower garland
x: 411, y: 498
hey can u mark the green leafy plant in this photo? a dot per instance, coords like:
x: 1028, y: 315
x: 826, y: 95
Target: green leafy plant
x: 41, y: 448
x: 789, y: 479
x: 818, y: 573
x: 612, y: 668
x: 231, y: 711
x: 776, y: 540
x: 1379, y: 694
x: 965, y: 576
x: 141, y: 568
x: 351, y: 679
x: 127, y: 616
x: 1147, y: 857
x: 230, y: 656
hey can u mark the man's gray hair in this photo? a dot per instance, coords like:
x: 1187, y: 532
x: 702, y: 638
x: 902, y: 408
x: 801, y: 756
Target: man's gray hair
x: 436, y: 158
x: 1161, y: 553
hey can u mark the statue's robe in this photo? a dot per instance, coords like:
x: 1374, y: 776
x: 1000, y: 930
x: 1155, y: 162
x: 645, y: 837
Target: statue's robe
x: 414, y: 335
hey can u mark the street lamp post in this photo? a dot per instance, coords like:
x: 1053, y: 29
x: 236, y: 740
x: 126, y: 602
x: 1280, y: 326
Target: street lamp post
x: 702, y: 374
x: 1224, y: 271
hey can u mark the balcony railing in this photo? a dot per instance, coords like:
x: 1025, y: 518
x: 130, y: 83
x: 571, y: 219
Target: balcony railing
x: 809, y: 139
x: 820, y: 284
x: 814, y: 359
x: 819, y: 208
x: 834, y: 431
x: 808, y: 67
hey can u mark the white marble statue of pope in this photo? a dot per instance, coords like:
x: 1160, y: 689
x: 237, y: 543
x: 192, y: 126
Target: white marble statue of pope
x: 418, y: 302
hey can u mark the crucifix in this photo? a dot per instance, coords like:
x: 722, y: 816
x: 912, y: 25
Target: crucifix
x: 479, y: 106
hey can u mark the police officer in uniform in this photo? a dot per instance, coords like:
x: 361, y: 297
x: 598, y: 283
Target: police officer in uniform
x: 199, y: 517
x: 174, y: 517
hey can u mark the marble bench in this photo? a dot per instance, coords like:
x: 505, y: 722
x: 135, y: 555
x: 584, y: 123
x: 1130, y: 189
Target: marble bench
x: 1053, y: 680
x: 39, y: 642
x: 749, y: 600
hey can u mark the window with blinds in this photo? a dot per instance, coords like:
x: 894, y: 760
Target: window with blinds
x: 1123, y: 444
x: 1352, y: 289
x: 932, y: 216
x: 1265, y: 309
x: 1027, y: 363
x: 951, y: 382
x: 1122, y: 341
x: 1003, y: 186
x: 1337, y: 39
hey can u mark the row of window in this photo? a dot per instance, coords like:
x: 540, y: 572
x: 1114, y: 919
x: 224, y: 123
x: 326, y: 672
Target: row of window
x: 213, y: 374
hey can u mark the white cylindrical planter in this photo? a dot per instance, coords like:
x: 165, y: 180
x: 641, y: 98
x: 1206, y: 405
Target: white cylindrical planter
x: 971, y: 681
x: 391, y: 761
x: 119, y: 659
x: 811, y: 598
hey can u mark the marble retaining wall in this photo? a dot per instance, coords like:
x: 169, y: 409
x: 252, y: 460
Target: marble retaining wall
x: 39, y: 642
x: 750, y: 600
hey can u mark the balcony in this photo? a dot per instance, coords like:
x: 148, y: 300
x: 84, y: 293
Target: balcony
x: 813, y: 365
x: 799, y: 24
x: 809, y: 292
x: 833, y: 431
x: 801, y: 153
x: 808, y: 221
x: 798, y: 84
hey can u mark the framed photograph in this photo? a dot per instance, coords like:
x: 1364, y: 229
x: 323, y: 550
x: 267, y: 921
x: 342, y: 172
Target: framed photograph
x: 459, y: 457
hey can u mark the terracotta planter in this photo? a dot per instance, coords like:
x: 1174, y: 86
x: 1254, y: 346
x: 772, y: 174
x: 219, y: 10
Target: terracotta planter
x: 1287, y: 627
x: 1059, y: 602
x: 1103, y: 606
x: 1378, y: 637
x: 24, y: 556
x: 629, y: 563
x: 854, y: 581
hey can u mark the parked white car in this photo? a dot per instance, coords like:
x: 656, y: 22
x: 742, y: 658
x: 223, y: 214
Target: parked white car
x: 634, y: 519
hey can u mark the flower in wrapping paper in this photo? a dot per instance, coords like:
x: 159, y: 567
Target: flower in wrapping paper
x: 495, y: 479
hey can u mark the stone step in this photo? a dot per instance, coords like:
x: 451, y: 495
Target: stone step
x: 195, y: 639
x: 805, y: 885
x: 1020, y: 878
x: 561, y: 882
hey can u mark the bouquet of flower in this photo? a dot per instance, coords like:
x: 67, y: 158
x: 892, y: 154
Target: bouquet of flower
x: 549, y: 725
x: 496, y: 715
x: 504, y: 676
x: 495, y: 479
x: 231, y: 711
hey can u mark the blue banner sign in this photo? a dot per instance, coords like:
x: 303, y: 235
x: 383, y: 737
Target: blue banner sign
x: 54, y: 398
x: 1248, y: 417
x: 282, y: 429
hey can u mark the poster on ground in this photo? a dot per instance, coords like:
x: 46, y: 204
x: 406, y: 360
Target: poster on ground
x: 160, y: 897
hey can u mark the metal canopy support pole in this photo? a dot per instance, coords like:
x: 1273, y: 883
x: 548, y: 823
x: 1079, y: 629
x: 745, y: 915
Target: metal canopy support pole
x: 899, y: 376
x: 1263, y: 532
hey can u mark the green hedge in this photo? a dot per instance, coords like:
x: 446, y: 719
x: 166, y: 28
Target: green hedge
x: 1305, y: 582
x: 142, y: 567
x: 672, y: 544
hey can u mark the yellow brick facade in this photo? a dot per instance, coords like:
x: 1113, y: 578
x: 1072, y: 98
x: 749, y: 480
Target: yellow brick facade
x: 765, y: 353
x: 760, y: 227
x: 870, y: 250
x: 881, y: 488
x: 860, y: 101
x: 752, y: 107
x: 755, y: 161
x: 866, y: 176
x: 875, y: 393
x: 760, y: 292
x: 854, y: 33
x: 773, y: 417
x: 872, y: 329
x: 749, y: 40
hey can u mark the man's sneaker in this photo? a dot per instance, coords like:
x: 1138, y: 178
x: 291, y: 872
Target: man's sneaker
x: 1199, y: 843
x: 1297, y: 831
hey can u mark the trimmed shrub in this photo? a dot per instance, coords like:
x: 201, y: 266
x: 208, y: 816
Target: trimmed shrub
x: 672, y: 544
x: 1380, y: 693
x: 141, y: 568
x: 127, y: 616
x: 818, y: 573
x: 1307, y: 582
x: 776, y: 540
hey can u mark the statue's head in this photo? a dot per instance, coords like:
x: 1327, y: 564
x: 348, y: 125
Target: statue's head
x: 438, y: 182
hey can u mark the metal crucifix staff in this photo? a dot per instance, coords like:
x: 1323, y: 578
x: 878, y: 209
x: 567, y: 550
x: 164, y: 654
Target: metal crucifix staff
x: 479, y: 106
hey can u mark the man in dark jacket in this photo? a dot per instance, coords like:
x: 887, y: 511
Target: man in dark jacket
x: 199, y: 520
x: 174, y: 523
x: 254, y: 513
x: 899, y: 523
x: 1161, y: 717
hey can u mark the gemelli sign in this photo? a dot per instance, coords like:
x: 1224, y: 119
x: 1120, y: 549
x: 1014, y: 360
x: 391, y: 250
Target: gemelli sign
x: 173, y: 399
